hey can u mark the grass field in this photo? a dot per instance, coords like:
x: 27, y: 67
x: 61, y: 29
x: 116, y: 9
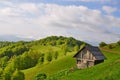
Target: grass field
x: 109, y: 70
x: 64, y: 62
x: 42, y: 55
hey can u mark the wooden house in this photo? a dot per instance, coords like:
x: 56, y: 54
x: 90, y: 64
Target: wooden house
x: 89, y: 56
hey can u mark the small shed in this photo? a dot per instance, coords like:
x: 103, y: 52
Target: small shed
x: 89, y: 56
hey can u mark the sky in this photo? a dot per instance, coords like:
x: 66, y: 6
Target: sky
x: 93, y: 21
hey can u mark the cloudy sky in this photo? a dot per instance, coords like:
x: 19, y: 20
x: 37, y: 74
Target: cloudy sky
x: 88, y: 20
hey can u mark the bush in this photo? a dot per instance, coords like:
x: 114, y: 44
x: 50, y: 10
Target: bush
x: 40, y: 76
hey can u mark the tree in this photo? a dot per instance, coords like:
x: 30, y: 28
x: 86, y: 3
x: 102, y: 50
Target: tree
x: 17, y: 62
x: 3, y: 61
x: 9, y: 68
x: 40, y: 76
x: 102, y: 44
x: 17, y: 75
x: 7, y: 76
x: 26, y: 61
x: 56, y: 55
x: 41, y: 59
x: 65, y: 49
x: 1, y: 71
x: 49, y: 57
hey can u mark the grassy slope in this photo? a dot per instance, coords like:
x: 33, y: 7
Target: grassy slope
x: 103, y: 71
x: 109, y: 67
x: 98, y: 72
x: 64, y: 62
x: 45, y: 46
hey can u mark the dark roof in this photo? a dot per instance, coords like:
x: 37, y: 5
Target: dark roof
x: 94, y: 50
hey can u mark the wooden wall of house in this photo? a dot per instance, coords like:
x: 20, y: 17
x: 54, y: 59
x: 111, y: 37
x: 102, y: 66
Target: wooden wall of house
x: 86, y: 59
x: 82, y: 66
x: 85, y: 65
x: 82, y: 52
x: 85, y: 54
x: 90, y: 63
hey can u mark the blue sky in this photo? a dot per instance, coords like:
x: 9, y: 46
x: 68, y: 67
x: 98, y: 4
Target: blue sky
x: 93, y: 21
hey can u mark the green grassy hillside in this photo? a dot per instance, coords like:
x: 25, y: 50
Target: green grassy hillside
x: 54, y: 57
x: 62, y: 63
x: 109, y: 70
x: 45, y: 55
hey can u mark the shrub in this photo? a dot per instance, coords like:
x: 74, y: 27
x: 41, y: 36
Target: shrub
x: 40, y: 76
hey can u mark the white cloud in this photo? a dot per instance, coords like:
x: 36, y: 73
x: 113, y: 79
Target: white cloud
x: 9, y: 12
x: 109, y: 9
x: 7, y: 3
x: 28, y: 7
x: 40, y: 20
